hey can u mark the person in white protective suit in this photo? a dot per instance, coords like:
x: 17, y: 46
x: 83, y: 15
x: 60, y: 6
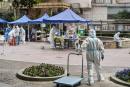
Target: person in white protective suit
x: 12, y: 36
x: 17, y: 36
x: 94, y: 54
x: 51, y: 36
x: 12, y: 33
x: 22, y: 35
x: 117, y: 39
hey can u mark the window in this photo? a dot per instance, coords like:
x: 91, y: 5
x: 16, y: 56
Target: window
x: 102, y: 1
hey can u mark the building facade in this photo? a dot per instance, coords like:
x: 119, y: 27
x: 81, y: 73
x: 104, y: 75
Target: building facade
x: 101, y: 11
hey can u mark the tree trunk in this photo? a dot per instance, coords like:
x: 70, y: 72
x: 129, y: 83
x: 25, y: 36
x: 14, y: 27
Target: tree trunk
x: 15, y: 13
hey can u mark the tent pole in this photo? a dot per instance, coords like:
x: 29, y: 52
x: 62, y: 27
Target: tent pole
x: 28, y: 34
x: 62, y: 28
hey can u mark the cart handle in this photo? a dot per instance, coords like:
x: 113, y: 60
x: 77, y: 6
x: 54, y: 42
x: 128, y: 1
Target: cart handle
x: 79, y: 53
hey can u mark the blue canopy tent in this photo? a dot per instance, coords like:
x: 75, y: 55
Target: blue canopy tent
x: 2, y: 21
x: 67, y: 16
x: 23, y: 20
x: 40, y: 20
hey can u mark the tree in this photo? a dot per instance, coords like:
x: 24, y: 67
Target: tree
x: 15, y: 5
x: 18, y: 4
x: 122, y: 15
x: 27, y: 3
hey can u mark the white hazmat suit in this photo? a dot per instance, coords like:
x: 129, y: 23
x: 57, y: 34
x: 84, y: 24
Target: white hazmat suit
x: 94, y: 53
x: 51, y: 36
x: 17, y: 36
x: 22, y: 35
x: 117, y: 39
x: 12, y: 33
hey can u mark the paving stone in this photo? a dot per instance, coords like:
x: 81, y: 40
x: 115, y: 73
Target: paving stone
x: 19, y: 57
x: 4, y: 85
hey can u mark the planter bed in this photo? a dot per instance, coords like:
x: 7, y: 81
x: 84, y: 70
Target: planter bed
x: 42, y: 72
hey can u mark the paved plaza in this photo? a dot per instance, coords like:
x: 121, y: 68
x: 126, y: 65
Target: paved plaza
x: 33, y: 53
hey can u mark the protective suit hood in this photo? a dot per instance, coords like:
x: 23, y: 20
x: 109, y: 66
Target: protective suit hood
x: 118, y: 33
x: 17, y: 26
x: 92, y: 33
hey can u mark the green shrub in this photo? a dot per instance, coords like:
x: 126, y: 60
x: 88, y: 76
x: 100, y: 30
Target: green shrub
x: 44, y: 70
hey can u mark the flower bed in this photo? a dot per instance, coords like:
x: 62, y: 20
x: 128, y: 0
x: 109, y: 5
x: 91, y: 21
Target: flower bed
x: 124, y: 75
x: 42, y: 72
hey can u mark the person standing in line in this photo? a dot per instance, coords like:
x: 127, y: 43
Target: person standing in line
x: 22, y: 35
x: 12, y: 37
x: 6, y: 32
x: 33, y: 34
x: 17, y: 36
x: 94, y: 54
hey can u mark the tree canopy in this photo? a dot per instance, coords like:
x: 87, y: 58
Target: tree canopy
x: 122, y: 15
x: 24, y: 3
x: 27, y: 3
x: 15, y: 3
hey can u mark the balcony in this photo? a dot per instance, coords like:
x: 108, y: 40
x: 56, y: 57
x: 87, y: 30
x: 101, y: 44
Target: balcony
x: 111, y: 5
x: 52, y: 5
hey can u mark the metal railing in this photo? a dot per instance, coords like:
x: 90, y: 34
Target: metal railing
x: 51, y: 5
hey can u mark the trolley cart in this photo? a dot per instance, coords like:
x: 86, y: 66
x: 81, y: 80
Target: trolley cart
x: 70, y: 80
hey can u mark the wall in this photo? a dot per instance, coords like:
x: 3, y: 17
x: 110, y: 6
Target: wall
x: 96, y: 13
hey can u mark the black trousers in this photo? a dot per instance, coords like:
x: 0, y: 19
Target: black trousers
x: 117, y: 45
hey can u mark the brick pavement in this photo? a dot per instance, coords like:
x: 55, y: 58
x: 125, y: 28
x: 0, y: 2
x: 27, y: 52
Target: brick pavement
x: 8, y: 70
x: 32, y: 53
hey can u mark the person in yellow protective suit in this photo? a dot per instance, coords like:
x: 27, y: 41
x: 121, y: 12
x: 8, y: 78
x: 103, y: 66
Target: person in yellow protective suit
x: 94, y: 54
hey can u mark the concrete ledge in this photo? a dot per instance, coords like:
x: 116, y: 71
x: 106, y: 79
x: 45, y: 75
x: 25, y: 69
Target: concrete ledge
x: 20, y: 75
x: 118, y: 81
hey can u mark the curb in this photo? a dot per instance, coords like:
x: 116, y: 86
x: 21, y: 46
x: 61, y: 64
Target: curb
x: 118, y: 81
x: 20, y: 75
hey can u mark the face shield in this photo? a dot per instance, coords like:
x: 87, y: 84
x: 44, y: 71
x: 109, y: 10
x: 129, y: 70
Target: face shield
x: 92, y: 33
